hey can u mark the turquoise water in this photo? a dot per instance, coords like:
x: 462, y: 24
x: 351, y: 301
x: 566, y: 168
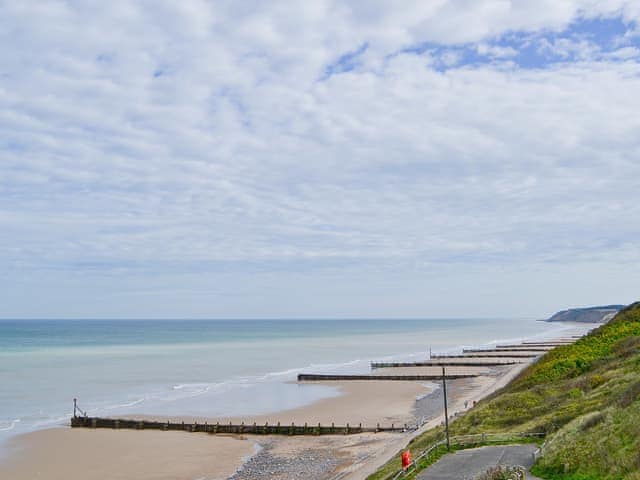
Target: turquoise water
x: 213, y: 368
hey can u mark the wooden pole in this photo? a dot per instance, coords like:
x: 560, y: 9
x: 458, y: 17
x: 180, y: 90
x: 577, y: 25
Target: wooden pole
x: 446, y: 411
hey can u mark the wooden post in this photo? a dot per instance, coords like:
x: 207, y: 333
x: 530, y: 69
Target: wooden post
x: 75, y: 407
x: 446, y: 412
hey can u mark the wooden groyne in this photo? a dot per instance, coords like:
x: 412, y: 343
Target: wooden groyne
x: 533, y: 345
x: 313, y: 377
x: 504, y: 349
x: 443, y: 363
x: 491, y: 354
x: 229, y: 428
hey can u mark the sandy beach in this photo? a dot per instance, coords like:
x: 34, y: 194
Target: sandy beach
x: 66, y: 454
x: 63, y: 453
x: 366, y: 402
x: 84, y: 454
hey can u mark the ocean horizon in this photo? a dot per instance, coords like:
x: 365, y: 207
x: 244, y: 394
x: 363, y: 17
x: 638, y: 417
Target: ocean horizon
x: 212, y: 368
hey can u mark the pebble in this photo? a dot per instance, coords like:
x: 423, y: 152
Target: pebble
x: 306, y: 464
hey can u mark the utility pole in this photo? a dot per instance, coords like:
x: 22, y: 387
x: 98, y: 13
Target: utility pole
x: 446, y: 411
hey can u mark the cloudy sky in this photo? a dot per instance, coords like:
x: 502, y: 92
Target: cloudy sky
x: 222, y: 159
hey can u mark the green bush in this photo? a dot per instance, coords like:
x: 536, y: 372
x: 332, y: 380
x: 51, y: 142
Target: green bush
x: 585, y: 396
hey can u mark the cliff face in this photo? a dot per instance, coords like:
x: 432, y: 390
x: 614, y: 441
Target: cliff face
x: 600, y: 314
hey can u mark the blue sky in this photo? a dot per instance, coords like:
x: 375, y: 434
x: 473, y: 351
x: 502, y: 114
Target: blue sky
x: 316, y: 159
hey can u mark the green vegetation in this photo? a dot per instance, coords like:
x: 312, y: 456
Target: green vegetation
x: 585, y: 396
x: 457, y: 443
x: 503, y: 473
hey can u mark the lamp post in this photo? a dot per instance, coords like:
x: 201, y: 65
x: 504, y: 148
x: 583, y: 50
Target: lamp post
x: 446, y: 411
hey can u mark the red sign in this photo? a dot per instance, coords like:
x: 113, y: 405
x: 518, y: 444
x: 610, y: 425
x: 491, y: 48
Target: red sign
x: 406, y: 459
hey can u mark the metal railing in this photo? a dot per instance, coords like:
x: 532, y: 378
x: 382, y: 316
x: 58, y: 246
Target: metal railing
x: 462, y: 440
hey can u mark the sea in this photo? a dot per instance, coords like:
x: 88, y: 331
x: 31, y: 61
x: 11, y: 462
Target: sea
x: 213, y: 368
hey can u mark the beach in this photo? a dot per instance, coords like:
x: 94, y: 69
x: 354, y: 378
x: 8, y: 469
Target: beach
x: 73, y: 454
x: 66, y: 453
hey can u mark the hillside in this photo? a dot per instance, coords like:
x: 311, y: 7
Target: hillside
x: 585, y: 396
x: 587, y: 315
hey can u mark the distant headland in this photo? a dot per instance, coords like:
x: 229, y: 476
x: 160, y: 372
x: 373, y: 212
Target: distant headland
x: 599, y: 314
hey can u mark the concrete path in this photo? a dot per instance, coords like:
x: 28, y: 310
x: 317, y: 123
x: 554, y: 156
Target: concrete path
x: 467, y: 464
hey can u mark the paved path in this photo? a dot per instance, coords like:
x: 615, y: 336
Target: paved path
x: 466, y: 464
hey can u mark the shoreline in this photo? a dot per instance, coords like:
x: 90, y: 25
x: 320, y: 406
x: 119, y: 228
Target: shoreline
x: 205, y: 385
x: 199, y: 456
x: 66, y: 453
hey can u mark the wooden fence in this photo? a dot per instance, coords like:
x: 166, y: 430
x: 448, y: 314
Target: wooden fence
x: 465, y: 441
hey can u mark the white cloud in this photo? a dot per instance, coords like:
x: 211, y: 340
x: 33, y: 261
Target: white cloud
x: 625, y: 53
x: 188, y: 138
x: 496, y: 51
x: 566, y: 48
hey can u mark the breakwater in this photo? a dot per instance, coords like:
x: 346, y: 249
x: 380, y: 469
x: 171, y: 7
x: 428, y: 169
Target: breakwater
x: 310, y: 377
x: 444, y: 363
x: 492, y: 354
x: 503, y: 349
x: 230, y: 428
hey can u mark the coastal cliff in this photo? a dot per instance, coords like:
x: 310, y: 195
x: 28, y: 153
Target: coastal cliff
x: 601, y: 314
x: 584, y: 397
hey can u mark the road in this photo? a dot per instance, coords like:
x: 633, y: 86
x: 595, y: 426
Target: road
x: 466, y: 464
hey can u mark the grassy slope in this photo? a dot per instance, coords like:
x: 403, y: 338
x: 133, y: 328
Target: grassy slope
x: 586, y: 396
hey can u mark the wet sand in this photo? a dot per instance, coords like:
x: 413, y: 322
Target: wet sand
x: 66, y: 454
x: 83, y: 454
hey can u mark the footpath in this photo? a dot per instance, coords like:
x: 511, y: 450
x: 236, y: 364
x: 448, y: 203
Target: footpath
x: 467, y: 464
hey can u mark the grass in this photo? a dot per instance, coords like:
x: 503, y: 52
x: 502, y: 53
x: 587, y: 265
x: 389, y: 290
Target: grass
x: 585, y: 396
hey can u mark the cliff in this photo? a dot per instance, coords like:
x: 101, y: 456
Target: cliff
x: 600, y: 314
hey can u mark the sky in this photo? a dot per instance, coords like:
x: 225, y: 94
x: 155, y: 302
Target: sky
x: 325, y: 159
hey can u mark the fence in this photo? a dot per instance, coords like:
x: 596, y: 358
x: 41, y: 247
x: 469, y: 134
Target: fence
x: 464, y: 441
